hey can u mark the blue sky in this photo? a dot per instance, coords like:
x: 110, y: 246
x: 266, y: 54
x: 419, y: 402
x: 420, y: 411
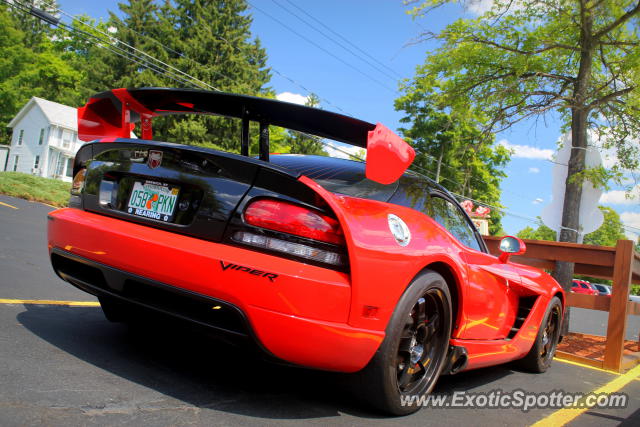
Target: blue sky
x: 348, y: 84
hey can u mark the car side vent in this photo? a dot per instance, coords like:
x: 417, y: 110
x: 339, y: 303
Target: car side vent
x: 525, y: 304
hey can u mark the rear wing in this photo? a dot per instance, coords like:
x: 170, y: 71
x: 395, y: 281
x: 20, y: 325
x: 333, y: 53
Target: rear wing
x: 113, y: 114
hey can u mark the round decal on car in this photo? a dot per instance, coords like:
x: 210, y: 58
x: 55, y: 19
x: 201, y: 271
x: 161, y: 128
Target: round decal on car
x: 399, y: 229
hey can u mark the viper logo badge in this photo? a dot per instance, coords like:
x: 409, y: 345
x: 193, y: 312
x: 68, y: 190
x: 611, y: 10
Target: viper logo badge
x: 154, y: 159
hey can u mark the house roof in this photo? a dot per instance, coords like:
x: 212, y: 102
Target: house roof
x: 57, y: 114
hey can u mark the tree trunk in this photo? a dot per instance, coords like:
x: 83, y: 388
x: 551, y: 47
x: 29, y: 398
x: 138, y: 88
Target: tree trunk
x: 439, y: 163
x: 563, y: 272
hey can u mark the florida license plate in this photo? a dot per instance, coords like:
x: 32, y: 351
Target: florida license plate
x: 153, y: 200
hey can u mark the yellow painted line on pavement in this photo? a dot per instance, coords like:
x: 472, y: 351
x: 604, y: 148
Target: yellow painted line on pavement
x: 50, y: 302
x: 8, y: 205
x: 582, y: 365
x: 566, y: 415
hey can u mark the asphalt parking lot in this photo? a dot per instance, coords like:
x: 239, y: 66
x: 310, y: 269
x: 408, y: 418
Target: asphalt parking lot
x: 67, y: 365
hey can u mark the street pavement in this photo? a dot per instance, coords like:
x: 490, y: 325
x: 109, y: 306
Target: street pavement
x: 62, y: 365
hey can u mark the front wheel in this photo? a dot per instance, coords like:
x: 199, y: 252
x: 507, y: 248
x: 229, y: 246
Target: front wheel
x: 544, y: 347
x: 409, y: 360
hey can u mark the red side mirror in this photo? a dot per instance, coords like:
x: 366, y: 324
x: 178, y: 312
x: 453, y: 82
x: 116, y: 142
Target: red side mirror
x: 388, y: 155
x: 510, y: 245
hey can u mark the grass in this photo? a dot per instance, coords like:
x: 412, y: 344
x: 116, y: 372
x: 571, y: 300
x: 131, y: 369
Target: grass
x: 35, y: 188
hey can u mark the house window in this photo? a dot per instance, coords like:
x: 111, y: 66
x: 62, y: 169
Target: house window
x: 36, y: 162
x: 15, y: 163
x: 20, y: 136
x: 60, y: 165
x: 41, y: 137
x: 70, y: 167
x: 66, y: 140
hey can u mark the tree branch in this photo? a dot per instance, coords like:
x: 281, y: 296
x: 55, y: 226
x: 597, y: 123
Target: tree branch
x: 621, y: 20
x: 610, y: 96
x: 520, y: 51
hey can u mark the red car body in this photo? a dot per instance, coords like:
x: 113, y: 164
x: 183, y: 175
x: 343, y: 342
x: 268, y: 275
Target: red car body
x: 583, y: 287
x: 498, y: 306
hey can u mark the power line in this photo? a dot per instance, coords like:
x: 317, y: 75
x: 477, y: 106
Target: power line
x: 290, y: 79
x: 322, y: 48
x: 181, y: 54
x: 375, y: 67
x: 153, y: 67
x: 111, y: 38
x: 343, y: 38
x: 107, y: 45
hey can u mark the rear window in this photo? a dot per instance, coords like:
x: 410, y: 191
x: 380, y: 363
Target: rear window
x: 337, y: 175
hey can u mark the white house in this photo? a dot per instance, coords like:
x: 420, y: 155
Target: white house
x: 45, y: 140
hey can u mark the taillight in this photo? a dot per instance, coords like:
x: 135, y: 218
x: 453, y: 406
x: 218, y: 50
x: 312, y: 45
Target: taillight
x: 293, y: 219
x: 78, y: 182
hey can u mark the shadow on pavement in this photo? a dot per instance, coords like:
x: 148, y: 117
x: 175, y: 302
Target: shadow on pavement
x: 188, y: 365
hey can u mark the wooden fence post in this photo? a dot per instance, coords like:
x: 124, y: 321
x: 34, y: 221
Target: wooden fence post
x: 617, y: 323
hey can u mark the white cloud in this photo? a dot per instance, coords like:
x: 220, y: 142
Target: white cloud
x: 534, y: 170
x: 479, y: 7
x: 537, y: 201
x: 294, y: 98
x: 527, y: 151
x: 619, y: 197
x: 337, y: 149
x: 631, y: 219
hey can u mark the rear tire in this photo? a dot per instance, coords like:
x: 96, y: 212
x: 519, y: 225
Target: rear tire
x: 544, y: 347
x: 413, y: 353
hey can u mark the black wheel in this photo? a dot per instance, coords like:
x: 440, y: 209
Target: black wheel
x: 544, y: 347
x: 409, y: 360
x: 114, y: 310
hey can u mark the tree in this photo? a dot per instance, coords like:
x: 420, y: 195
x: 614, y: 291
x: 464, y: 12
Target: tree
x: 30, y: 66
x: 611, y: 230
x: 302, y: 143
x: 204, y: 44
x: 574, y: 58
x: 608, y: 234
x: 541, y: 233
x: 452, y: 149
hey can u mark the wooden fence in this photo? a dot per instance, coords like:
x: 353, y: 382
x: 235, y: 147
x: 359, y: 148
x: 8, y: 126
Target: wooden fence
x: 621, y: 264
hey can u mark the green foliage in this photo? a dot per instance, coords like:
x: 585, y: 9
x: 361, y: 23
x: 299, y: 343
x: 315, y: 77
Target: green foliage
x: 35, y: 188
x: 301, y: 143
x: 579, y: 60
x: 451, y: 148
x: 541, y: 233
x: 609, y: 232
x: 209, y: 40
x: 31, y: 65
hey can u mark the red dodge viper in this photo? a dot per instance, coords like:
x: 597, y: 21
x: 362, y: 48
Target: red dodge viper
x: 326, y: 263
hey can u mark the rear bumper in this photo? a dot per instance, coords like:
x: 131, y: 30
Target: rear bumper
x: 301, y: 317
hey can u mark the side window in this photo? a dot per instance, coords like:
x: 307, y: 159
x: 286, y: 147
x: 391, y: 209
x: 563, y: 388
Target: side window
x: 412, y: 195
x: 451, y: 217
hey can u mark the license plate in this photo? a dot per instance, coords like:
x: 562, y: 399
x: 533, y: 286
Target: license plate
x: 153, y: 200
